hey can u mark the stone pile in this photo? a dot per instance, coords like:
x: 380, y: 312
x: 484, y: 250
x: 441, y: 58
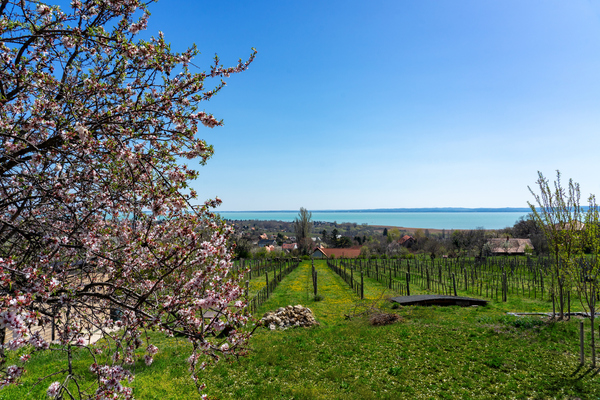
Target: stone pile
x: 287, y: 317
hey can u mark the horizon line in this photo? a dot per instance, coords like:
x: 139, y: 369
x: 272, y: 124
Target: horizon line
x: 416, y: 209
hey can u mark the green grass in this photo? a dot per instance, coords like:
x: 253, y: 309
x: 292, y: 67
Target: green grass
x: 433, y: 353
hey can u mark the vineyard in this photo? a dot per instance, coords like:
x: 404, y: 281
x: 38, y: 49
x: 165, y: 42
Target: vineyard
x: 496, y: 355
x: 430, y: 352
x: 277, y: 269
x: 494, y: 278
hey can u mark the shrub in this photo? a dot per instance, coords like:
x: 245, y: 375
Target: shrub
x: 383, y: 319
x: 521, y: 322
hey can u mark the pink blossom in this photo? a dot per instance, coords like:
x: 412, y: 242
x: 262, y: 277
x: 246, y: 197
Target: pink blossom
x: 152, y: 349
x: 87, y: 154
x: 53, y: 389
x: 43, y: 9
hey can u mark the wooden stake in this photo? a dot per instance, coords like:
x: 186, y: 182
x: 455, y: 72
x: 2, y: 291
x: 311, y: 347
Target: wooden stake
x: 267, y: 275
x: 362, y: 286
x: 581, y: 353
x: 454, y: 283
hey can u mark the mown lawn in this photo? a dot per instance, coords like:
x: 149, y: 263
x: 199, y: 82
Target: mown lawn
x: 432, y: 353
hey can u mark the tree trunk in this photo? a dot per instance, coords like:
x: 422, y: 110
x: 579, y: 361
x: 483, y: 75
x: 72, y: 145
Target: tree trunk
x: 561, y: 299
x: 2, y: 340
x: 592, y: 317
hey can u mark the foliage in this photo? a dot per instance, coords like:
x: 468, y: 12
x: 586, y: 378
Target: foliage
x: 344, y: 242
x: 393, y: 235
x: 95, y: 219
x: 334, y: 238
x: 243, y: 248
x: 435, y: 247
x: 560, y: 216
x: 469, y: 242
x: 303, y: 227
x: 569, y: 231
x: 324, y: 235
x: 365, y: 251
x: 264, y: 252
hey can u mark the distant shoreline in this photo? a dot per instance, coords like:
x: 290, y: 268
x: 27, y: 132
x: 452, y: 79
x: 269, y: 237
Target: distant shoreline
x: 412, y: 230
x: 438, y: 220
x: 399, y: 210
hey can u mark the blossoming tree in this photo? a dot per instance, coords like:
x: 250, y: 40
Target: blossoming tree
x: 96, y: 233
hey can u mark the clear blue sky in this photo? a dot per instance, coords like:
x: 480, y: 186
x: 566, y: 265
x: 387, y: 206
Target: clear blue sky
x: 381, y: 104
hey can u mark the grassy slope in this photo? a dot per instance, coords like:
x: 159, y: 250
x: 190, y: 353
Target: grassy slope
x: 436, y: 352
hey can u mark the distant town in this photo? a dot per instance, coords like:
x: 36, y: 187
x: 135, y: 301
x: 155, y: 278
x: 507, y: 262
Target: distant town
x: 269, y: 239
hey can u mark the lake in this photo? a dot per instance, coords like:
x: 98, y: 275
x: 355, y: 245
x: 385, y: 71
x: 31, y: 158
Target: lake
x: 425, y: 220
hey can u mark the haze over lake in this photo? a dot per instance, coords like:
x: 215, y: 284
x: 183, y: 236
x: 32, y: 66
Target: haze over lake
x: 415, y: 218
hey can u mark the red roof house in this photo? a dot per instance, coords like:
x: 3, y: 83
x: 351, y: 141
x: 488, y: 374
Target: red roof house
x: 289, y: 246
x: 350, y: 252
x: 407, y: 240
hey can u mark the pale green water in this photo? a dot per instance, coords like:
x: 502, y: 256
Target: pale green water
x: 431, y: 220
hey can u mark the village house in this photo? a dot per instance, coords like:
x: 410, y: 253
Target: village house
x: 288, y: 247
x: 350, y: 252
x: 509, y: 246
x: 407, y: 241
x: 266, y: 242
